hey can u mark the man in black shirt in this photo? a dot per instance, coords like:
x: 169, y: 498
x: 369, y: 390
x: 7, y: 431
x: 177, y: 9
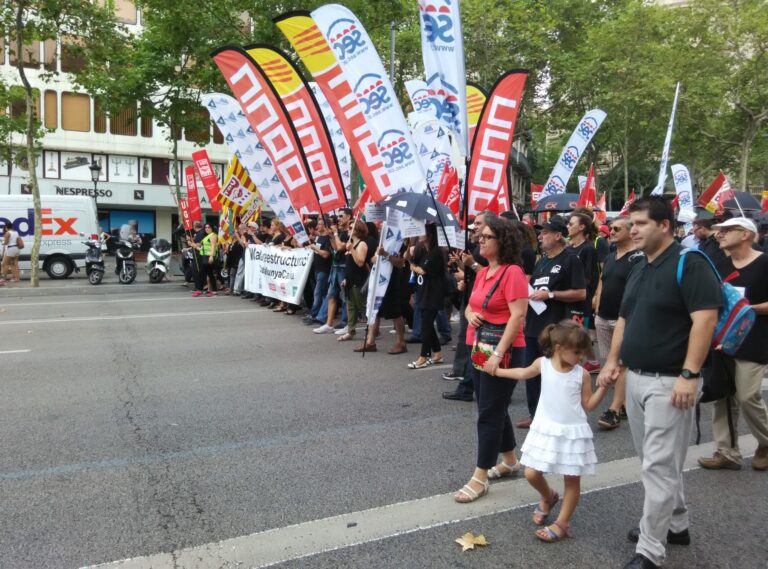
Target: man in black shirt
x: 662, y: 338
x: 558, y: 280
x: 321, y: 265
x: 610, y: 290
x: 708, y: 244
x: 747, y: 270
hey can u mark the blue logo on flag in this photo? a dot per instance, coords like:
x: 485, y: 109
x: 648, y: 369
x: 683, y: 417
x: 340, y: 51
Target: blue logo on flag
x: 344, y: 37
x: 393, y: 147
x: 554, y: 186
x: 570, y: 157
x: 587, y: 127
x: 371, y: 93
x: 437, y: 23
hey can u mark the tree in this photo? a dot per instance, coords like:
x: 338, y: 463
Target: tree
x: 28, y: 21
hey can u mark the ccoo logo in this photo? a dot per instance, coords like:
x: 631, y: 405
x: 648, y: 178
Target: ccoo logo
x: 587, y: 128
x: 393, y: 148
x: 371, y: 93
x: 436, y: 21
x: 570, y: 157
x: 345, y: 38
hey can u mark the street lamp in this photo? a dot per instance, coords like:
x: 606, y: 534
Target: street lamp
x: 95, y: 171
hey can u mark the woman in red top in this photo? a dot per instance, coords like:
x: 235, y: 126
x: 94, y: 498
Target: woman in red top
x: 500, y: 244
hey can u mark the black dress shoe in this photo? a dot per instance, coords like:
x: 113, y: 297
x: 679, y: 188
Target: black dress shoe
x: 640, y: 561
x: 679, y: 538
x: 457, y: 396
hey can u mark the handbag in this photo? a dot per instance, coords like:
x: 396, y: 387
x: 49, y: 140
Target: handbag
x: 488, y: 336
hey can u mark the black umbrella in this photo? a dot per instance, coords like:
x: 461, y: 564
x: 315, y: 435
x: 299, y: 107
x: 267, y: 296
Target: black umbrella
x: 558, y: 202
x: 423, y: 207
x: 746, y: 200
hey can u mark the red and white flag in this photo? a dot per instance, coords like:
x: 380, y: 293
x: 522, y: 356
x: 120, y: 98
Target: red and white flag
x: 448, y: 190
x: 185, y: 217
x: 193, y: 200
x: 208, y: 176
x: 714, y: 197
x: 625, y: 208
x: 588, y: 195
x: 600, y: 212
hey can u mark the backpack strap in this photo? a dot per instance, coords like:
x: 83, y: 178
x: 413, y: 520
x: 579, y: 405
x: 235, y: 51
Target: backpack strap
x: 680, y: 264
x: 493, y: 288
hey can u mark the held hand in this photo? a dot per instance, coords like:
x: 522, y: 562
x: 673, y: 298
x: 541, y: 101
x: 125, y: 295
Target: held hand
x: 467, y: 259
x: 382, y: 252
x: 491, y: 365
x: 684, y: 393
x: 539, y: 295
x: 608, y: 375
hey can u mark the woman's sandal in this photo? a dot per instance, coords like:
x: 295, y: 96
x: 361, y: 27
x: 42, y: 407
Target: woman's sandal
x: 511, y: 470
x: 346, y: 337
x: 467, y: 494
x: 417, y: 365
x: 433, y: 361
x: 551, y: 536
x: 539, y: 515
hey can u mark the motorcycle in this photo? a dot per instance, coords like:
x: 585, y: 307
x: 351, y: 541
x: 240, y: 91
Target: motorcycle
x: 126, y: 264
x: 94, y: 259
x: 158, y: 259
x: 187, y: 263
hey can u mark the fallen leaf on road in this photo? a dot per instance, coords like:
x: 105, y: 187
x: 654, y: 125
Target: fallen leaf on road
x: 469, y: 541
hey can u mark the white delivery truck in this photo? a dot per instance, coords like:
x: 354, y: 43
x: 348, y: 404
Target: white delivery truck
x: 64, y: 218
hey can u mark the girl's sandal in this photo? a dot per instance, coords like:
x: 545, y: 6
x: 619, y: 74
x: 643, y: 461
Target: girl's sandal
x: 437, y: 361
x: 551, y: 536
x: 539, y: 515
x: 467, y: 494
x: 511, y: 470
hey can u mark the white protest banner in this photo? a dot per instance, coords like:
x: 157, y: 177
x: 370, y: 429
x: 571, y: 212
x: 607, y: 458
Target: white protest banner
x: 276, y: 272
x: 574, y: 148
x: 407, y: 226
x: 375, y: 211
x: 362, y: 67
x: 391, y: 240
x: 442, y: 49
x: 659, y: 189
x: 434, y: 148
x: 684, y: 193
x: 225, y: 111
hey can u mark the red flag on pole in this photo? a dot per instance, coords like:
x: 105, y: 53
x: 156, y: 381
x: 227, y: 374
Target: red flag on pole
x: 716, y: 194
x: 600, y: 212
x: 625, y: 208
x: 588, y: 195
x: 448, y: 189
x: 208, y: 176
x: 764, y: 203
x: 536, y: 190
x: 185, y: 218
x: 193, y: 200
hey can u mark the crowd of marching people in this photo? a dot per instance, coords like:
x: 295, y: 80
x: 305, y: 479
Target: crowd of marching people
x: 550, y: 304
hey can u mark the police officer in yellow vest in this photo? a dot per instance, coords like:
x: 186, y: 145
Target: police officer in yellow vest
x: 205, y: 244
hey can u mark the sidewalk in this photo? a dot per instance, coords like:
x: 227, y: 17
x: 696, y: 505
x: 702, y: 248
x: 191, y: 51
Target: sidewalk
x: 77, y: 283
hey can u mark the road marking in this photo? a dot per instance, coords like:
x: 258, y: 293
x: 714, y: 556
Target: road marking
x: 128, y: 317
x: 162, y: 299
x: 297, y: 541
x: 15, y: 352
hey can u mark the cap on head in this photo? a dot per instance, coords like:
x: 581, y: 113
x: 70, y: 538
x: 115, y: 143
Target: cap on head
x: 555, y: 225
x: 737, y: 222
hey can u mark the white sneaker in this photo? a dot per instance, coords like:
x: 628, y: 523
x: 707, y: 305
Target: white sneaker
x: 342, y: 331
x: 324, y: 329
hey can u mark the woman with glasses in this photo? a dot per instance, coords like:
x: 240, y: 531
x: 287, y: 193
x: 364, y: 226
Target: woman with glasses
x: 499, y: 301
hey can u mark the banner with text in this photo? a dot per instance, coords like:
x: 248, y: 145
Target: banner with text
x: 492, y: 143
x: 208, y: 176
x: 574, y: 148
x: 316, y: 54
x: 193, y: 200
x: 684, y: 190
x: 276, y: 272
x: 239, y: 190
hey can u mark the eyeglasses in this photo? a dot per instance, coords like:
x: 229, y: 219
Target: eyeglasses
x: 616, y: 229
x: 485, y: 237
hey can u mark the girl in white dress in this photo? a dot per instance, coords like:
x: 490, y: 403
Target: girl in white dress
x: 560, y: 439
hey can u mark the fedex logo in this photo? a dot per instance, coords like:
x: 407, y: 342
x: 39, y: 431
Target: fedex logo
x: 25, y: 226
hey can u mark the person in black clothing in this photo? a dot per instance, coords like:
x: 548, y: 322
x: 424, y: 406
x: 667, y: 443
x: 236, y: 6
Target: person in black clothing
x: 707, y: 241
x: 355, y: 274
x: 321, y: 266
x: 430, y: 274
x: 235, y: 261
x: 528, y: 253
x: 558, y: 280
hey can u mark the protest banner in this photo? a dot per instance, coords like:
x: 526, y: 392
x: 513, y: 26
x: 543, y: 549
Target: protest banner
x: 271, y: 124
x: 684, y: 191
x: 339, y: 141
x: 316, y: 54
x: 308, y: 122
x: 239, y: 190
x: 625, y: 208
x: 364, y: 71
x: 205, y: 170
x: 186, y: 220
x: 193, y: 200
x: 574, y: 148
x: 276, y: 272
x: 659, y: 189
x: 493, y: 140
x: 442, y: 50
x: 714, y: 197
x: 588, y: 194
x: 242, y: 140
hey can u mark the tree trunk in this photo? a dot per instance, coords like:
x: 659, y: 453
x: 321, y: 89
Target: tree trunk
x: 30, y: 145
x: 746, y: 146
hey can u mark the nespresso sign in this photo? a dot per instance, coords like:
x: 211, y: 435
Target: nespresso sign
x: 90, y: 192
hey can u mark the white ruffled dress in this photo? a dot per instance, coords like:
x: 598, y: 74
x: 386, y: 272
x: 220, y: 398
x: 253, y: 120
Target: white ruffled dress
x: 560, y: 439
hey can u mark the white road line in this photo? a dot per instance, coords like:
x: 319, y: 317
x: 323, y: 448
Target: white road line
x: 15, y: 352
x: 161, y: 299
x: 320, y: 536
x: 128, y: 317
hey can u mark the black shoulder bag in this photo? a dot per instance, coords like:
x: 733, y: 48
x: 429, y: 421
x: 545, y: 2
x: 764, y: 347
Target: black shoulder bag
x: 488, y: 335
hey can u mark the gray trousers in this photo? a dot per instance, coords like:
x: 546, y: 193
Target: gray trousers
x: 239, y: 276
x: 661, y: 434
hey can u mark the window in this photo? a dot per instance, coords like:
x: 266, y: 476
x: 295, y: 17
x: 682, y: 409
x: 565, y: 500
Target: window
x: 124, y: 122
x: 99, y: 117
x: 202, y: 134
x: 72, y: 59
x: 51, y: 109
x: 75, y: 112
x: 125, y: 11
x: 49, y: 55
x: 146, y: 126
x: 19, y: 103
x: 30, y: 53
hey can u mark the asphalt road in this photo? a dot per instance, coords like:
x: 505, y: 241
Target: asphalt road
x: 139, y: 424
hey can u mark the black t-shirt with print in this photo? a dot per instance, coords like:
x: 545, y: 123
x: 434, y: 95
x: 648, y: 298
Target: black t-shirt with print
x: 754, y: 279
x: 657, y: 309
x: 320, y: 264
x: 339, y: 258
x: 615, y: 275
x: 562, y: 272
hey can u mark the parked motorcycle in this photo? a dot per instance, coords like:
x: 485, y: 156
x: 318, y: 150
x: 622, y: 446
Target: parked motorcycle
x: 126, y: 263
x: 94, y: 259
x: 158, y: 259
x: 187, y: 263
